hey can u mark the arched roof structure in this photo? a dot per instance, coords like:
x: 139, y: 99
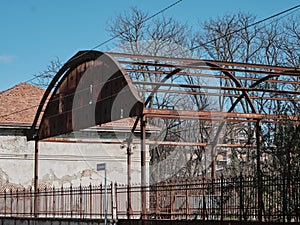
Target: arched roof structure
x: 97, y: 78
x: 94, y: 88
x: 84, y: 94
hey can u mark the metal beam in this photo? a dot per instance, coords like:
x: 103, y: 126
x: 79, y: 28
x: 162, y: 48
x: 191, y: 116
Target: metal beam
x: 199, y: 114
x: 190, y: 60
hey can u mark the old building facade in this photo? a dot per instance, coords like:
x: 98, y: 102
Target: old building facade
x: 71, y: 160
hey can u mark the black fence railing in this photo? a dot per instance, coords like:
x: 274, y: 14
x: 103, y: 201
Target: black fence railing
x: 240, y: 198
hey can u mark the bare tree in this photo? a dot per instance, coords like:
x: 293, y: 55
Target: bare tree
x: 163, y: 36
x: 231, y: 38
x: 43, y: 79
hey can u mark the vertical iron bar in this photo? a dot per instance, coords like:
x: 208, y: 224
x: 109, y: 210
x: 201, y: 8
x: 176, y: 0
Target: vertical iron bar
x: 289, y: 186
x: 222, y: 197
x: 46, y: 201
x: 62, y: 196
x: 129, y: 153
x: 241, y: 197
x: 186, y: 199
x: 259, y: 173
x: 297, y: 194
x: 105, y: 198
x: 143, y: 164
x: 101, y: 202
x: 80, y: 201
x: 31, y: 198
x: 71, y: 201
x: 284, y: 200
x: 157, y: 201
x: 171, y: 201
x: 53, y: 201
x: 24, y: 202
x: 11, y: 202
x: 91, y: 200
x: 116, y: 199
x: 204, y: 212
x: 112, y: 201
x: 5, y: 202
x: 17, y: 203
x: 36, y: 160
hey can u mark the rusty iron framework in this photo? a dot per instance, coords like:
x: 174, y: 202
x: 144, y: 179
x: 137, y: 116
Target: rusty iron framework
x: 103, y: 87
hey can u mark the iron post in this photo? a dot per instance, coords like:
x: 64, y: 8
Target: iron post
x: 129, y: 153
x: 36, y: 172
x: 143, y: 164
x: 258, y: 170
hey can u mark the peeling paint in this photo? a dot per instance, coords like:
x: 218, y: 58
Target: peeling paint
x: 62, y: 164
x: 52, y: 179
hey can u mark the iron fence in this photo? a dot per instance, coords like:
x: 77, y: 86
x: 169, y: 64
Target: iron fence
x: 72, y: 202
x: 220, y: 199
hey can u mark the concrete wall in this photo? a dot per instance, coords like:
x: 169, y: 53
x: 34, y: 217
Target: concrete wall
x: 62, y: 163
x: 47, y: 221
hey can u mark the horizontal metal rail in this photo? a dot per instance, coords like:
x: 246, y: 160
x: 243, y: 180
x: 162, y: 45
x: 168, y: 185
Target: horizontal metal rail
x: 231, y: 198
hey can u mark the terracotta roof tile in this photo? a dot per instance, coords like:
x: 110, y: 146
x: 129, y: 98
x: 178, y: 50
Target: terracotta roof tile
x: 18, y: 104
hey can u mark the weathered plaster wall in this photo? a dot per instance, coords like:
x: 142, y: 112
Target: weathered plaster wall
x: 63, y: 163
x: 16, y: 166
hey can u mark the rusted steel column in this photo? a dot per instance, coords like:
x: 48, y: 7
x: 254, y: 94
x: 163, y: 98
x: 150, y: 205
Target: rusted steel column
x: 36, y: 172
x: 129, y: 153
x: 143, y: 165
x: 258, y: 170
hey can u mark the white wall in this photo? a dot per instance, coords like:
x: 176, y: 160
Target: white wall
x: 64, y: 163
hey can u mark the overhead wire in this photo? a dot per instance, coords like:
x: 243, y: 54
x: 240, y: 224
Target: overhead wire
x: 191, y: 49
x: 249, y: 26
x: 289, y: 11
x: 118, y: 35
x: 96, y: 47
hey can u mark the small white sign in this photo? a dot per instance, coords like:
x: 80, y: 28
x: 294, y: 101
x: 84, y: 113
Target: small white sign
x: 101, y: 166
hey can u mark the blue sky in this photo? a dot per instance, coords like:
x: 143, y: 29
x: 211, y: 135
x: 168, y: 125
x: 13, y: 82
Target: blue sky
x: 35, y: 32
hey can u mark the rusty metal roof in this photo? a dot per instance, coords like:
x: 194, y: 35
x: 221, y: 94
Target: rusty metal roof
x: 94, y: 88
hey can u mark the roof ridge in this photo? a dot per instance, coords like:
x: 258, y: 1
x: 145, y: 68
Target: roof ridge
x: 19, y: 85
